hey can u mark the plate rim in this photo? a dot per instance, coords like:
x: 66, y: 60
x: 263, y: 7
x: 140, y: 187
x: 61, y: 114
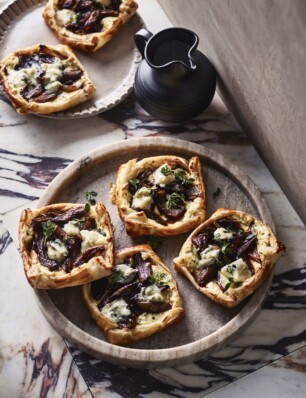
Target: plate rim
x: 164, y: 357
x: 113, y: 99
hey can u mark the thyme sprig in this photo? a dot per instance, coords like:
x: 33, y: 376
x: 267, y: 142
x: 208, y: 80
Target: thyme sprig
x: 174, y: 200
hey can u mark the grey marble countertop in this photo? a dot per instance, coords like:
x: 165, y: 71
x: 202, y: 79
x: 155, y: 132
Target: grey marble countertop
x: 268, y: 358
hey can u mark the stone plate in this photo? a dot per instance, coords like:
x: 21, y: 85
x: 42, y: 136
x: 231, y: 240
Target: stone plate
x: 207, y: 326
x: 112, y: 68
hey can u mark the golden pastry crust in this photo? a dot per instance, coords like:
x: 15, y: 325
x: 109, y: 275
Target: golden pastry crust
x: 137, y: 223
x: 74, y: 94
x: 147, y: 324
x: 268, y: 247
x: 89, y: 42
x: 97, y: 266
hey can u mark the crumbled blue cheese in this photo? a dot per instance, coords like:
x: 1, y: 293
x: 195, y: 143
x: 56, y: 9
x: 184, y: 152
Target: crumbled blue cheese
x: 92, y: 238
x: 160, y: 178
x: 65, y: 17
x: 225, y: 283
x: 152, y: 293
x: 117, y: 310
x: 142, y: 199
x: 71, y: 229
x: 52, y: 74
x: 241, y: 271
x: 57, y: 250
x: 236, y: 271
x: 19, y: 78
x: 123, y: 273
x: 209, y: 256
x: 222, y: 234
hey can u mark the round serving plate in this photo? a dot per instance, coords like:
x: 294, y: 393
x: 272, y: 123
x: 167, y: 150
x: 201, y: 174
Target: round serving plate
x: 207, y: 326
x: 112, y: 68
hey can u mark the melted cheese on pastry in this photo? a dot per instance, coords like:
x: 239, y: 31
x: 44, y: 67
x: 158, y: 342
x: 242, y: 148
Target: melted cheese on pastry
x: 209, y: 256
x: 57, y: 251
x: 65, y: 17
x: 152, y: 293
x: 117, y: 310
x: 222, y: 234
x: 92, y: 238
x: 237, y: 270
x: 163, y: 178
x: 18, y: 78
x: 71, y: 229
x: 142, y: 199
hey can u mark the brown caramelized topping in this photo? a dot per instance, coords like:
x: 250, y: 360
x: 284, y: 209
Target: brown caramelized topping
x: 225, y: 252
x: 135, y: 288
x: 87, y: 15
x: 58, y: 239
x: 163, y: 194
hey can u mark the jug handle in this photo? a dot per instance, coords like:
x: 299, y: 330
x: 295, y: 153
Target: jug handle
x: 141, y: 38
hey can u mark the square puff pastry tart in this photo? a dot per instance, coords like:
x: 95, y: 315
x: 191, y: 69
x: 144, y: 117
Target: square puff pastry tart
x: 139, y: 299
x: 65, y: 245
x: 44, y: 79
x: 160, y: 195
x: 88, y: 24
x: 229, y: 256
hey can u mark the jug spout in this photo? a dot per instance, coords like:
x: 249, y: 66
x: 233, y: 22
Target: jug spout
x: 173, y: 47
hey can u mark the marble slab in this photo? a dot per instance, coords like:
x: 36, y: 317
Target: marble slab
x: 35, y: 361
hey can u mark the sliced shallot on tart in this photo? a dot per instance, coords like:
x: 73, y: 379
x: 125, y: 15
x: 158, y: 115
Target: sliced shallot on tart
x: 229, y: 256
x: 66, y: 244
x: 160, y: 195
x: 139, y: 299
x: 88, y: 25
x: 43, y: 79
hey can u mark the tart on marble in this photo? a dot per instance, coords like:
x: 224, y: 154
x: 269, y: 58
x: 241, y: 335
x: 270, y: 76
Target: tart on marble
x: 229, y: 256
x: 44, y: 79
x: 66, y: 244
x: 139, y: 299
x: 88, y: 25
x: 160, y: 195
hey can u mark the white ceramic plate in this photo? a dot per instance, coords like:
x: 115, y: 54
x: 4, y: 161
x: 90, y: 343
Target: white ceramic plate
x: 207, y: 326
x: 112, y: 68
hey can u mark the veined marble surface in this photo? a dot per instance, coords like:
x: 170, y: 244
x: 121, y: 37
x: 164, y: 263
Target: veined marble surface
x: 36, y: 361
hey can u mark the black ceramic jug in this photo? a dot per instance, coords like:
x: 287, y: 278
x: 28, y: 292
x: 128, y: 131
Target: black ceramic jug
x: 174, y: 82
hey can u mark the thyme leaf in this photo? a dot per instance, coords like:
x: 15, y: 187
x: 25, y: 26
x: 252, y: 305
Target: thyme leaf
x: 90, y: 196
x: 174, y: 200
x: 216, y: 193
x: 48, y: 228
x: 166, y: 170
x: 180, y: 175
x: 134, y: 182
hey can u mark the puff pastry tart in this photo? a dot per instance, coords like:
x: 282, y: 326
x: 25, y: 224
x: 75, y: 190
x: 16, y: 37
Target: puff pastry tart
x: 139, y: 299
x: 88, y: 24
x: 161, y: 195
x: 45, y: 79
x: 65, y: 245
x: 229, y: 256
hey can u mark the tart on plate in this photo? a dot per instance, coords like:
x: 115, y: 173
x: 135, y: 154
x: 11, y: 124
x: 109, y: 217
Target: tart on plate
x: 88, y: 24
x: 44, y: 79
x: 229, y: 256
x: 66, y: 244
x: 160, y: 195
x: 139, y: 299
